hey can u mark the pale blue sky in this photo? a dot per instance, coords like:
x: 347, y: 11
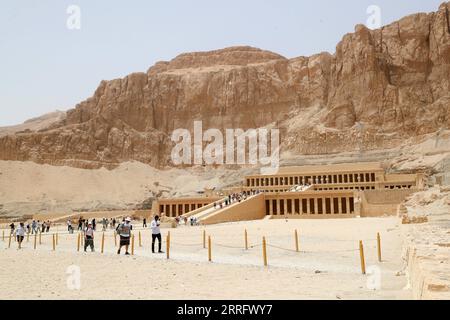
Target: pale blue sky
x: 44, y: 66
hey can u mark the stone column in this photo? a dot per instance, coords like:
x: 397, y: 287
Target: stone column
x: 308, y: 206
x: 347, y: 199
x: 271, y: 207
x: 340, y: 205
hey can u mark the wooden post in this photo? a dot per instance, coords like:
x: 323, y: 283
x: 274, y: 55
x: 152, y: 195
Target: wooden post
x: 168, y: 246
x: 140, y: 239
x: 204, y: 239
x: 379, y: 246
x: 54, y: 242
x: 246, y: 239
x: 264, y: 248
x: 132, y: 245
x: 35, y: 240
x: 9, y: 243
x: 78, y: 241
x: 209, y: 249
x: 296, y: 241
x: 361, y: 253
x: 115, y: 238
x: 103, y: 242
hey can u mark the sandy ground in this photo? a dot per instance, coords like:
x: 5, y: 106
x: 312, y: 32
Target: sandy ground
x: 328, y: 266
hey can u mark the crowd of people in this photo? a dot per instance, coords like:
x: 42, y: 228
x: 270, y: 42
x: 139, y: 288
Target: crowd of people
x: 235, y: 197
x: 88, y: 229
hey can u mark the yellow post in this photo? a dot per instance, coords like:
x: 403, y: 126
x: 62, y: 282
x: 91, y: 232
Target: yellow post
x: 246, y: 239
x: 78, y: 242
x: 379, y: 246
x: 204, y: 239
x: 168, y: 246
x: 361, y: 253
x: 82, y: 238
x: 296, y: 241
x: 132, y: 245
x: 56, y: 238
x: 35, y: 240
x: 264, y: 248
x: 9, y: 243
x: 209, y: 249
x: 115, y: 238
x: 54, y: 242
x: 140, y: 239
x: 103, y: 242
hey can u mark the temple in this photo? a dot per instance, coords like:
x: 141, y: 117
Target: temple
x: 326, y: 191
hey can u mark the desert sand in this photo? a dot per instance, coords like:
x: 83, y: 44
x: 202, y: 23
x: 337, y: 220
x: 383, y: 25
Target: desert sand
x: 328, y: 266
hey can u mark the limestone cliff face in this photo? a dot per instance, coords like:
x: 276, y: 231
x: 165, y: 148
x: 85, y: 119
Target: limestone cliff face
x: 380, y: 88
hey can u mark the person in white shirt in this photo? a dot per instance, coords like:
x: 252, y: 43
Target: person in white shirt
x: 156, y: 234
x: 20, y: 234
x: 89, y: 237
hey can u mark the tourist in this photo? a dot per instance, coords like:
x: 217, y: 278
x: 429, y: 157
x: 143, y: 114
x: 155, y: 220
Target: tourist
x: 20, y: 234
x: 80, y: 224
x: 89, y: 237
x: 114, y: 223
x: 34, y: 227
x: 13, y: 227
x: 144, y: 223
x: 94, y: 224
x: 70, y: 227
x: 48, y: 225
x: 43, y: 227
x: 124, y: 230
x: 28, y: 228
x: 156, y: 234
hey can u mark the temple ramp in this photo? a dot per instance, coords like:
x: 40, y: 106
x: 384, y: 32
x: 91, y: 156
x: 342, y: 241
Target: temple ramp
x: 253, y: 208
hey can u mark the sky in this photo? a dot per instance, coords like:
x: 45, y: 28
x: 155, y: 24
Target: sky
x: 47, y: 66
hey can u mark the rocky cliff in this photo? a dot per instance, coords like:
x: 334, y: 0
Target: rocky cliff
x: 380, y: 89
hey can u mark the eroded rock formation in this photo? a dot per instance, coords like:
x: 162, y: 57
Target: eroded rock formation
x: 380, y: 88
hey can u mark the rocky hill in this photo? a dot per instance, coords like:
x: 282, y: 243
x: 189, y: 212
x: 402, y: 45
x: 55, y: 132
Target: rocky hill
x: 381, y: 89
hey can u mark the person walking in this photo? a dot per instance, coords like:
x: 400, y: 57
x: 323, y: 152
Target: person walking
x: 34, y: 227
x: 89, y: 237
x: 48, y: 225
x: 156, y: 234
x: 13, y: 227
x: 20, y: 234
x: 124, y: 231
x: 144, y: 223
